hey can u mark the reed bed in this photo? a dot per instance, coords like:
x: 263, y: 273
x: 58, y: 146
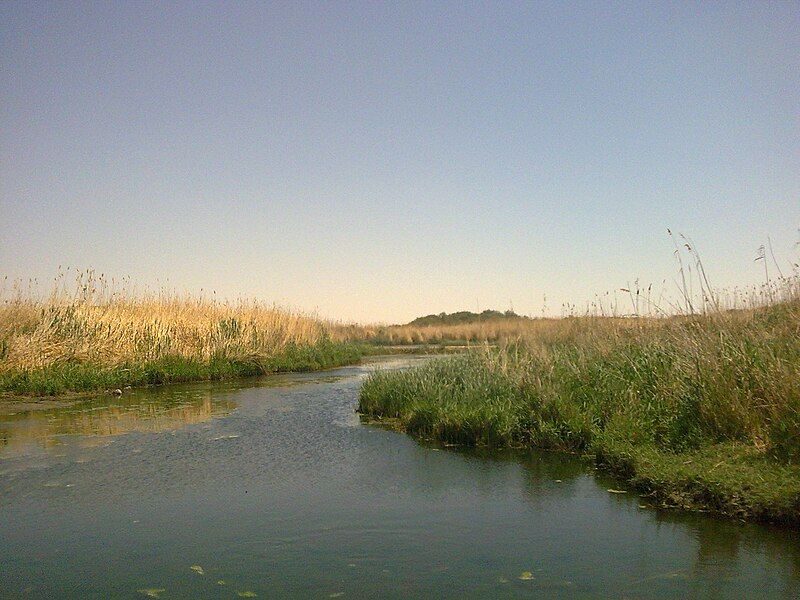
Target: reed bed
x: 626, y: 305
x: 698, y: 410
x: 95, y: 334
x: 463, y: 333
x: 689, y: 294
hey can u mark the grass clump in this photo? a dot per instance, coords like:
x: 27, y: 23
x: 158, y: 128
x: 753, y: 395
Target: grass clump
x: 703, y: 411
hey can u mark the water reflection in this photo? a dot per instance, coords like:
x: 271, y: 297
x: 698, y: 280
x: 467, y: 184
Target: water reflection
x: 38, y: 432
x: 705, y: 556
x: 33, y: 431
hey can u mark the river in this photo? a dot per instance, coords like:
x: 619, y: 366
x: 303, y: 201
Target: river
x: 273, y: 488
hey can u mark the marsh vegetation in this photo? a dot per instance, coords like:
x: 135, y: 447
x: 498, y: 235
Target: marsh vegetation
x: 700, y: 409
x: 696, y: 401
x: 90, y: 333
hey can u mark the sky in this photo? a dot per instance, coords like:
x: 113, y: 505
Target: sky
x: 378, y: 161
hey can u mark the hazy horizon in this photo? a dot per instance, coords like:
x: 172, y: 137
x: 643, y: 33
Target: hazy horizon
x: 376, y: 163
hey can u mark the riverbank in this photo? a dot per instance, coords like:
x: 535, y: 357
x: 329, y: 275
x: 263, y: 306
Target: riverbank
x: 60, y: 379
x: 699, y: 412
x: 70, y: 382
x: 88, y: 336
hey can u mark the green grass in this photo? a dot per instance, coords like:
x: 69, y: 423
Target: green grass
x: 66, y: 377
x: 701, y: 412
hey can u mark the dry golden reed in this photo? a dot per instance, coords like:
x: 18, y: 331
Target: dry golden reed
x: 637, y: 306
x: 92, y: 320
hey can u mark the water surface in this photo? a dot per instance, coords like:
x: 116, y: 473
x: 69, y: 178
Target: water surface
x: 273, y: 487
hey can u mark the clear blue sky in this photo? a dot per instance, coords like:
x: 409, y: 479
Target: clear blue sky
x: 379, y: 161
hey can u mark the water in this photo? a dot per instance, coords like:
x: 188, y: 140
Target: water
x: 274, y: 487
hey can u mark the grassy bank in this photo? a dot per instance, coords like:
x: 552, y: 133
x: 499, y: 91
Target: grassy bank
x: 93, y: 338
x: 59, y: 378
x: 701, y: 412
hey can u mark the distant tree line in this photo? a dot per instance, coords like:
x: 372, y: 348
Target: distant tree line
x: 465, y: 316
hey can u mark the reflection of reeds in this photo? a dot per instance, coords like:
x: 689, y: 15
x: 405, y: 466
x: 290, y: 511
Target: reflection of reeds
x: 93, y: 419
